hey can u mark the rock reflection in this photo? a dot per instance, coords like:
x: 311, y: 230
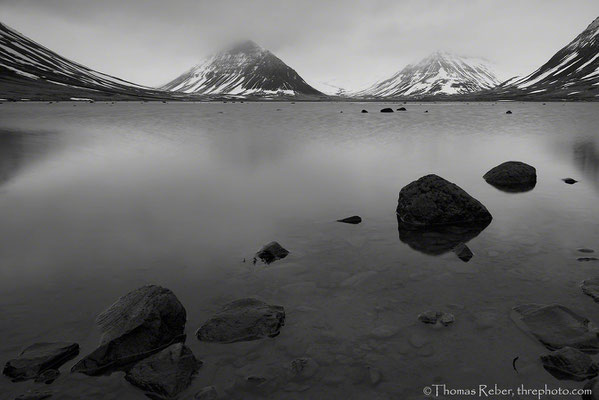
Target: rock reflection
x: 438, y: 240
x: 19, y: 149
x: 520, y: 188
x: 586, y: 158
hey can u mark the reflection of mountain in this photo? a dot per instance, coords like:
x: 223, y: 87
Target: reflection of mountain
x: 440, y: 239
x: 17, y: 149
x: 586, y: 158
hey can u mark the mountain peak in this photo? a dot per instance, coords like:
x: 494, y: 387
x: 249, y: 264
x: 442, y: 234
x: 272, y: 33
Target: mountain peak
x: 246, y: 46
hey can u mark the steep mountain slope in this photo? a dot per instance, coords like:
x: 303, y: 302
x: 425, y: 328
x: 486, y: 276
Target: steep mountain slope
x: 245, y: 69
x: 440, y: 73
x: 572, y: 73
x: 29, y: 70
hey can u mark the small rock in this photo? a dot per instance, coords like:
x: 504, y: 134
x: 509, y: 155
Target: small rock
x: 571, y: 364
x: 303, y: 368
x: 512, y: 176
x: 351, y: 220
x: 243, y: 320
x: 508, y: 112
x: 207, y: 393
x: 463, y: 252
x: 387, y: 110
x: 584, y: 259
x: 364, y: 112
x: 166, y: 373
x: 401, y: 109
x: 570, y: 181
x: 425, y: 111
x: 272, y: 252
x: 39, y: 357
x: 434, y: 317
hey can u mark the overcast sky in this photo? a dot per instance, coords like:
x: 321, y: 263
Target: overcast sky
x: 349, y: 42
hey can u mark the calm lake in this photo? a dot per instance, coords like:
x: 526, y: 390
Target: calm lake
x: 99, y: 199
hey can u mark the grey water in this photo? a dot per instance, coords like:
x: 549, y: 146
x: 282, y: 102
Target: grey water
x: 99, y: 199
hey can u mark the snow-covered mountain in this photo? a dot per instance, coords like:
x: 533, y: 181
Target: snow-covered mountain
x: 441, y: 73
x: 572, y: 73
x: 244, y: 69
x: 28, y: 69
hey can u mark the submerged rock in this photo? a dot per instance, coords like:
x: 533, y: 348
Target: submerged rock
x: 401, y: 109
x: 351, y: 220
x: 436, y: 317
x: 38, y: 358
x: 272, y: 252
x: 569, y: 364
x: 556, y: 326
x: 569, y: 181
x: 138, y: 325
x: 463, y: 252
x: 303, y: 368
x: 387, y: 110
x: 584, y: 259
x: 590, y: 287
x: 166, y: 373
x: 243, y: 320
x: 508, y: 112
x: 207, y: 393
x: 364, y: 112
x: 434, y: 201
x: 512, y: 176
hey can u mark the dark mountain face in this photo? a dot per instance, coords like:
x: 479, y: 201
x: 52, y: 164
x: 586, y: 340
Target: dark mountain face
x: 245, y: 69
x: 572, y: 73
x: 440, y: 73
x: 29, y: 70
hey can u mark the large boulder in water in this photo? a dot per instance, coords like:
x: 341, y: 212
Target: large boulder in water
x: 243, y: 320
x: 568, y: 363
x: 166, y: 373
x: 512, y: 176
x: 434, y: 201
x: 272, y: 252
x: 138, y: 325
x: 39, y: 357
x: 556, y: 326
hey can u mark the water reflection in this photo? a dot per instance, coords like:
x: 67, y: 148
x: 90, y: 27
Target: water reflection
x: 19, y: 149
x: 515, y: 188
x: 438, y: 240
x: 586, y: 158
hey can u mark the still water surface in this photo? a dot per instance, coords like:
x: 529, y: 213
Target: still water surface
x: 99, y: 199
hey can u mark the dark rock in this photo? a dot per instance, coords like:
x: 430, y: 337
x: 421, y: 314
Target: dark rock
x: 433, y: 201
x: 364, y: 112
x: 35, y: 395
x: 401, y: 109
x: 387, y: 110
x: 508, y: 112
x: 272, y: 252
x: 569, y: 364
x: 207, y: 393
x: 425, y: 111
x: 351, y: 220
x: 584, y: 259
x: 243, y: 320
x: 584, y: 250
x: 438, y: 240
x: 570, y: 181
x: 463, y: 252
x: 39, y: 357
x: 436, y: 317
x: 166, y: 373
x: 512, y: 176
x: 556, y: 326
x: 139, y: 324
